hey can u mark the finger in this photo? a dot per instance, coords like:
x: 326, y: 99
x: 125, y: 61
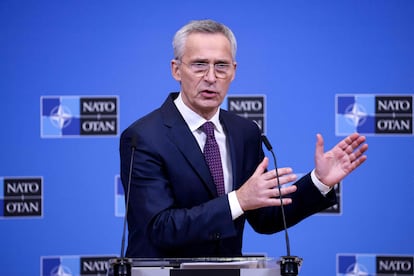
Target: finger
x: 280, y: 172
x: 319, y: 148
x: 284, y: 171
x: 360, y: 141
x: 346, y: 142
x: 287, y: 179
x: 287, y: 190
x: 359, y: 161
x: 359, y: 152
x: 355, y: 143
x: 358, y: 157
x: 349, y: 143
x: 276, y: 201
x: 283, y: 191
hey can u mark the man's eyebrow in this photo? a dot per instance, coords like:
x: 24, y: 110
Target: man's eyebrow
x: 205, y: 60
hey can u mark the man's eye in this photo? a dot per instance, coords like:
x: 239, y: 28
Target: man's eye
x: 200, y: 65
x: 222, y: 66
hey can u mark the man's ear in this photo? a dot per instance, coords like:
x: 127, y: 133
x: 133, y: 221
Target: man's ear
x: 175, y: 70
x: 234, y: 71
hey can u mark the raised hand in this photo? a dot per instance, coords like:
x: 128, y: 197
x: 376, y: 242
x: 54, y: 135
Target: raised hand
x: 334, y: 165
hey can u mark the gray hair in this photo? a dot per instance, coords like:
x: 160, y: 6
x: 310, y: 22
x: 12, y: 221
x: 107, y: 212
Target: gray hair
x: 202, y: 26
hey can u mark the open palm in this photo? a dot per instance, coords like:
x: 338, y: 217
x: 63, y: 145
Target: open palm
x: 334, y: 165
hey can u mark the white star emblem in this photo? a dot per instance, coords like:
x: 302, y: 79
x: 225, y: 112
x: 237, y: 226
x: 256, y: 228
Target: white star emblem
x: 60, y: 116
x: 356, y: 270
x: 355, y: 114
x: 61, y: 271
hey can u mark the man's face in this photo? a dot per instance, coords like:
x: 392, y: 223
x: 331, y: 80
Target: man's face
x: 204, y: 93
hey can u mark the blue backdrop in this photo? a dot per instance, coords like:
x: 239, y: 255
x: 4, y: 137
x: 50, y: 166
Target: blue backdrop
x: 299, y: 54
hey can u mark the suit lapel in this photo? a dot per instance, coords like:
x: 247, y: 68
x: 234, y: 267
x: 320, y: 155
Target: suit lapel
x: 181, y: 136
x: 235, y: 147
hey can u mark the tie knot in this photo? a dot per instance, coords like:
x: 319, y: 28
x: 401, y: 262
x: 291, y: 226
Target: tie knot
x: 208, y: 128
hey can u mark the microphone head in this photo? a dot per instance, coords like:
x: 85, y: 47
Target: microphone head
x: 266, y: 142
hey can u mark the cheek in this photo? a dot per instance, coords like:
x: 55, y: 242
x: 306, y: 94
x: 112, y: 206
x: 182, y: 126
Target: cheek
x: 224, y: 87
x: 189, y: 87
x: 189, y: 82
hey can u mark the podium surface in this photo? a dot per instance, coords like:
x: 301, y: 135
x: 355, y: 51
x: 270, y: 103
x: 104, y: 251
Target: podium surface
x: 239, y: 266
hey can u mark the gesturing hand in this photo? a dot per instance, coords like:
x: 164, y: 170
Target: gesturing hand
x: 334, y: 165
x: 260, y: 190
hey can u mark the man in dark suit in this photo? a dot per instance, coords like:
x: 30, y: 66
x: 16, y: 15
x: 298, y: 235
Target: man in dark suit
x: 175, y: 207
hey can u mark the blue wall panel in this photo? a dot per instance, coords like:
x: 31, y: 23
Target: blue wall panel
x: 300, y: 54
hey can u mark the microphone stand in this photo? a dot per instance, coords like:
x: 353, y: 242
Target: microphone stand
x: 289, y: 265
x: 123, y: 266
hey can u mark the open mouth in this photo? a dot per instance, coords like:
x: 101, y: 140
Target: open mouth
x: 208, y: 93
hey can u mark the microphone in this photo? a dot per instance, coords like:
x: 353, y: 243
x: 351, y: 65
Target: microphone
x: 288, y: 264
x: 123, y: 266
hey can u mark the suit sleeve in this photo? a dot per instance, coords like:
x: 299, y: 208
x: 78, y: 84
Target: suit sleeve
x: 306, y: 201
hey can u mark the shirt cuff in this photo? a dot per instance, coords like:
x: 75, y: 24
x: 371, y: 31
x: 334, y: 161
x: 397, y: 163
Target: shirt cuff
x: 324, y: 189
x: 235, y: 208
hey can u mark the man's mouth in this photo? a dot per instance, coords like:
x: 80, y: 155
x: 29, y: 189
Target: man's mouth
x: 209, y: 92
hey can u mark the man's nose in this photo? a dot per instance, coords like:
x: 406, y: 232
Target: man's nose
x: 210, y: 75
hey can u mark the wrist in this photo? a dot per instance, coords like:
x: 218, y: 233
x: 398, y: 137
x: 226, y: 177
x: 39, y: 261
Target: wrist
x: 323, y: 188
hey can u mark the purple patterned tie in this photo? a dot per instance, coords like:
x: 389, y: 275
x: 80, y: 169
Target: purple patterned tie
x: 212, y: 156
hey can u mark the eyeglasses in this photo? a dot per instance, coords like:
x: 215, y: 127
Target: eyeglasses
x: 200, y: 69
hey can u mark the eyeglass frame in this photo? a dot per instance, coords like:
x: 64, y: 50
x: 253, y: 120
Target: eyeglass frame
x: 203, y: 72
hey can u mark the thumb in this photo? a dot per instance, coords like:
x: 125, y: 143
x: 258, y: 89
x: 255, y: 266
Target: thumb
x: 261, y: 168
x: 319, y: 148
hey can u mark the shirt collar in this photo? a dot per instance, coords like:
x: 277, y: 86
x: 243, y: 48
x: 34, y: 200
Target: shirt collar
x: 193, y: 120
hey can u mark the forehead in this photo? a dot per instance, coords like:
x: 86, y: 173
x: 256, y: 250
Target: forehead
x: 207, y: 46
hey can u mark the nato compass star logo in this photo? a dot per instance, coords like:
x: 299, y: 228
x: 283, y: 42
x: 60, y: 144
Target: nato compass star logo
x: 374, y: 114
x: 356, y: 265
x: 78, y: 116
x: 61, y: 271
x: 60, y: 116
x: 356, y: 114
x: 357, y: 270
x: 60, y: 266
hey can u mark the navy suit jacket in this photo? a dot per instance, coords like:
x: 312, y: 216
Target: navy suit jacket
x: 174, y: 210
